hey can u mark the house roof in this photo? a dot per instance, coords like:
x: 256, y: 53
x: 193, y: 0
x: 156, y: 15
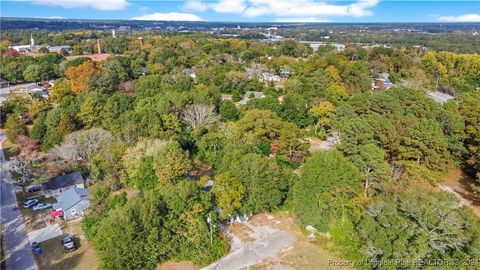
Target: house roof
x: 63, y: 181
x: 98, y: 57
x: 439, y: 97
x: 188, y: 71
x: 71, y: 197
x: 246, y: 97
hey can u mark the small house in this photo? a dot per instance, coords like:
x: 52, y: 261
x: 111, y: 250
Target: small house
x: 382, y: 82
x: 189, y: 72
x: 58, y: 184
x: 249, y: 95
x: 439, y: 97
x: 269, y: 77
x: 73, y: 203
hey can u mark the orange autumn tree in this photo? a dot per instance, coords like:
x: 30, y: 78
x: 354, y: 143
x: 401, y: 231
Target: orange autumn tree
x: 78, y: 76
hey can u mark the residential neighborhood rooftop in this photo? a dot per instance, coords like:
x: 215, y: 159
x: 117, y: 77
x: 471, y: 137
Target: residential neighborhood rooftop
x: 70, y: 197
x: 439, y: 97
x: 65, y: 180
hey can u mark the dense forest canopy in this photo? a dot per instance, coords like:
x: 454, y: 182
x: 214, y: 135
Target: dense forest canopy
x: 140, y: 121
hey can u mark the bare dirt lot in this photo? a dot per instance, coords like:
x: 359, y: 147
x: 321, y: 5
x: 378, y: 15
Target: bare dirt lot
x: 457, y: 182
x: 273, y: 241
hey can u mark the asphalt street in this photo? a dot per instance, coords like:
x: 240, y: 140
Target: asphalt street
x: 5, y: 91
x: 15, y: 239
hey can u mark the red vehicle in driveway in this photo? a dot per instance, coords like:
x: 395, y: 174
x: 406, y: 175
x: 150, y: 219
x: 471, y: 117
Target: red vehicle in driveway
x: 56, y: 213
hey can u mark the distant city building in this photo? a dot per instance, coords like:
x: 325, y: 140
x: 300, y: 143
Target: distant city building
x: 317, y: 44
x: 21, y: 48
x: 58, y: 49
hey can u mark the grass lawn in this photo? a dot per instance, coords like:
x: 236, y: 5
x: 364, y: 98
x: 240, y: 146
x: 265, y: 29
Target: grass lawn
x: 53, y: 256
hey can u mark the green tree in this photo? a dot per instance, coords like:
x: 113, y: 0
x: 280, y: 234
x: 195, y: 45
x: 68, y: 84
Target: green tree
x: 415, y: 225
x: 139, y: 227
x: 145, y: 178
x: 469, y: 108
x: 425, y: 143
x: 14, y: 127
x: 370, y: 161
x: 39, y: 128
x: 265, y: 184
x: 327, y: 183
x: 295, y: 110
x: 171, y: 162
x: 61, y: 89
x: 229, y: 192
x: 32, y: 73
x: 65, y: 125
x: 354, y: 133
x: 228, y: 111
x: 89, y: 114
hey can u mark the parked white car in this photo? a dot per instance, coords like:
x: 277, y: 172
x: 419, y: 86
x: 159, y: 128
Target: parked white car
x: 41, y: 206
x: 30, y: 203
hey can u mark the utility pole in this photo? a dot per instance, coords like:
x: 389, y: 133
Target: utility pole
x: 209, y: 220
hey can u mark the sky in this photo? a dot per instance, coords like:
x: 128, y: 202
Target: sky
x: 248, y: 10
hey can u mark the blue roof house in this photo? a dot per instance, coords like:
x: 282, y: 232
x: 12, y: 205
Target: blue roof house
x: 73, y: 202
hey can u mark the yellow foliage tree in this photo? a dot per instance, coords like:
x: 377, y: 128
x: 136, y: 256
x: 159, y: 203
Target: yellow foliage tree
x: 324, y: 112
x: 79, y: 76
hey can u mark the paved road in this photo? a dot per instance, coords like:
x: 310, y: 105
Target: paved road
x: 5, y: 91
x: 15, y: 242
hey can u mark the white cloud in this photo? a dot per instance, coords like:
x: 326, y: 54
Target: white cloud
x: 462, y: 18
x: 172, y: 16
x: 308, y: 8
x: 228, y: 6
x: 302, y: 19
x: 195, y: 5
x: 311, y: 9
x: 51, y: 17
x: 96, y: 4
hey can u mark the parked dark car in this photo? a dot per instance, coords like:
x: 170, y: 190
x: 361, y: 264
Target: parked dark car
x: 68, y: 245
x: 36, y: 248
x: 34, y: 189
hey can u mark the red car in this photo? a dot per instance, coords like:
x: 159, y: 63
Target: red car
x: 56, y: 213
